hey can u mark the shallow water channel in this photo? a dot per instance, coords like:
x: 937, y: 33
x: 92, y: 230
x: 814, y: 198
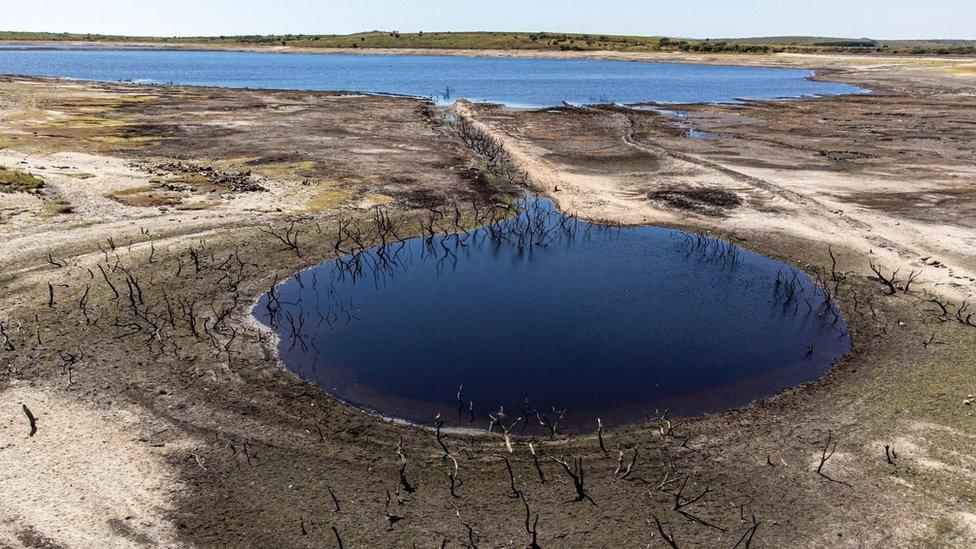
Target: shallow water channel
x: 542, y: 315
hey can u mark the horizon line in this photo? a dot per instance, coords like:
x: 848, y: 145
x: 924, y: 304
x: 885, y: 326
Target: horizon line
x: 382, y: 31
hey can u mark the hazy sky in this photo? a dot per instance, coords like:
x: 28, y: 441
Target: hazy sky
x: 687, y: 18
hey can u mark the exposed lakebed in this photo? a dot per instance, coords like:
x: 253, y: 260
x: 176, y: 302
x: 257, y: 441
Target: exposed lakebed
x: 518, y: 82
x: 542, y: 313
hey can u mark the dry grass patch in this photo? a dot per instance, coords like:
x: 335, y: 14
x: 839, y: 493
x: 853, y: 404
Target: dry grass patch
x: 120, y: 140
x: 327, y: 197
x: 13, y: 181
x: 287, y: 170
x: 146, y: 197
x: 57, y: 206
x: 82, y: 122
x: 964, y: 70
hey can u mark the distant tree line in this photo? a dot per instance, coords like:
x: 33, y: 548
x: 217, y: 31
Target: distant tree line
x: 542, y: 41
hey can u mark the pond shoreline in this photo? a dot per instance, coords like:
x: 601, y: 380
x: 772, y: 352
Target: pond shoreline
x: 737, y: 272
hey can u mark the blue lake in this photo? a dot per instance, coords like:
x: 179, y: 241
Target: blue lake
x: 541, y: 312
x: 512, y: 81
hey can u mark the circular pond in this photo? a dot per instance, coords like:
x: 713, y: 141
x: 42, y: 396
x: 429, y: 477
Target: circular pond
x: 546, y: 317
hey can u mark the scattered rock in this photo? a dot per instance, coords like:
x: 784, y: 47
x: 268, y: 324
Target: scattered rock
x: 235, y: 181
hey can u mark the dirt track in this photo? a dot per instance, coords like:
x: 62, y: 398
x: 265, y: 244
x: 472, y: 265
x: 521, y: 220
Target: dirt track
x: 204, y: 440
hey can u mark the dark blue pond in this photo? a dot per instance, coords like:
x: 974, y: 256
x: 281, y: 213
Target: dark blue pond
x: 513, y: 81
x: 542, y: 312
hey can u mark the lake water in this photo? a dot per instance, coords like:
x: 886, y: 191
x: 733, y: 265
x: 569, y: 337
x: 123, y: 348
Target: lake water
x: 512, y: 81
x: 541, y: 312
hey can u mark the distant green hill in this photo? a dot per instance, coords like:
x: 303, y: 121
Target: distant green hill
x: 541, y: 41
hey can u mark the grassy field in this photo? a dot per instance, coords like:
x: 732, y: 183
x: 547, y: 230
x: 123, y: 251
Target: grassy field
x: 544, y: 41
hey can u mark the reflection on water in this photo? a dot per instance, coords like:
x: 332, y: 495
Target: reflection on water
x: 543, y: 316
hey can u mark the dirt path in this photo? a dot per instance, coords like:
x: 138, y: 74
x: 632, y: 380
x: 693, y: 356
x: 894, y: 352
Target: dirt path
x: 789, y: 204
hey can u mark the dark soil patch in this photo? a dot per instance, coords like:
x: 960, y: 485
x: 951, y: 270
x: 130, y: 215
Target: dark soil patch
x: 711, y: 202
x: 423, y: 199
x: 597, y: 162
x: 844, y: 155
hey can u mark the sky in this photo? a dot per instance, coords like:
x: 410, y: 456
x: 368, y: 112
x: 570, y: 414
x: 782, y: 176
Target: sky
x: 884, y: 19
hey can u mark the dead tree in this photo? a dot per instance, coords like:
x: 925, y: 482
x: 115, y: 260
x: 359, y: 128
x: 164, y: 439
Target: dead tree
x: 335, y: 501
x: 391, y: 517
x: 681, y: 502
x: 337, y: 537
x: 57, y: 264
x: 538, y: 466
x: 551, y: 424
x: 668, y: 538
x: 944, y: 315
x: 833, y: 265
x: 828, y: 451
x: 409, y: 488
x: 472, y: 540
x: 440, y: 439
x: 7, y: 345
x: 968, y: 319
x: 83, y: 304
x: 495, y: 418
x: 667, y: 427
x: 746, y: 540
x: 531, y: 525
x: 288, y: 236
x: 460, y: 408
x: 507, y: 434
x: 599, y: 436
x: 452, y: 476
x: 890, y: 455
x: 514, y: 492
x: 68, y: 360
x: 888, y: 281
x: 578, y: 477
x: 109, y: 282
x: 912, y: 277
x: 625, y: 472
x: 31, y: 419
